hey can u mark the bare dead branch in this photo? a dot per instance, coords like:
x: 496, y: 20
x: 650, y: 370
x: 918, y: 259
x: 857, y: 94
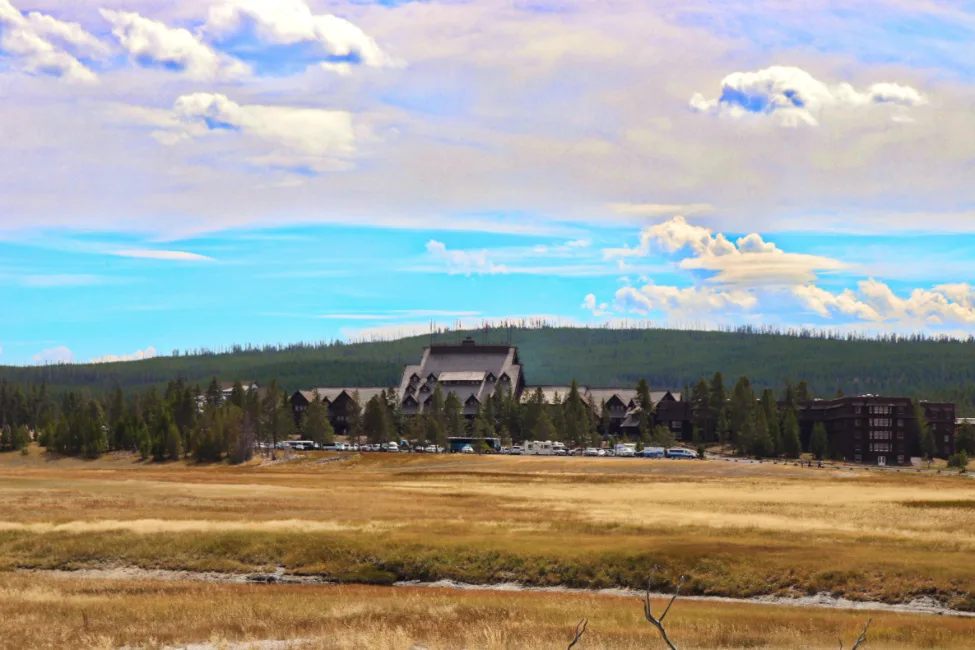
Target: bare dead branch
x: 659, y: 622
x: 860, y: 639
x: 580, y: 630
x: 863, y: 635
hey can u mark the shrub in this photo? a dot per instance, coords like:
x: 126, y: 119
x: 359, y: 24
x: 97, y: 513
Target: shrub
x: 959, y: 460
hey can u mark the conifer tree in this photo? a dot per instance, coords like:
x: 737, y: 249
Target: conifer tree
x: 791, y: 445
x: 701, y: 411
x: 922, y: 432
x: 374, y: 423
x: 543, y: 429
x: 643, y: 396
x: 966, y: 439
x: 718, y: 402
x: 454, y: 416
x: 576, y: 417
x: 818, y: 442
x: 355, y: 423
x: 315, y: 426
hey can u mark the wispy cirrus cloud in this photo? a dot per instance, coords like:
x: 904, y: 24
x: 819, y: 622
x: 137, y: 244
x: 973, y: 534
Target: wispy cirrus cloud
x: 152, y: 254
x: 59, y: 280
x: 656, y: 210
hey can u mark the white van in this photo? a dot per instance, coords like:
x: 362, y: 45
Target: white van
x: 539, y: 448
x: 393, y: 447
x: 680, y: 452
x: 626, y: 450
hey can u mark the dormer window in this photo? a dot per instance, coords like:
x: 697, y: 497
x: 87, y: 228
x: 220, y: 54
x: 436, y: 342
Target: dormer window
x: 414, y: 378
x: 431, y: 378
x: 491, y: 377
x: 505, y: 378
x: 410, y: 389
x: 425, y: 388
x: 472, y: 400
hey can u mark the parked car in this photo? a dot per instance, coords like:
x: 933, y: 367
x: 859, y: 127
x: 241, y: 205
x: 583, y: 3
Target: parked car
x: 600, y: 452
x: 467, y: 449
x: 393, y: 447
x: 591, y: 451
x: 516, y: 450
x: 680, y: 452
x: 653, y: 452
x: 430, y: 449
x: 560, y: 452
x: 578, y: 451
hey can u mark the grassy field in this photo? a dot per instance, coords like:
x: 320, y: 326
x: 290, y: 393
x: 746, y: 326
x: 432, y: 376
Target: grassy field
x: 43, y: 611
x: 734, y: 529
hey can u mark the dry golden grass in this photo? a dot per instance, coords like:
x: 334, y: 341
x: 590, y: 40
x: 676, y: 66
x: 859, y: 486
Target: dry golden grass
x: 44, y: 611
x: 737, y: 529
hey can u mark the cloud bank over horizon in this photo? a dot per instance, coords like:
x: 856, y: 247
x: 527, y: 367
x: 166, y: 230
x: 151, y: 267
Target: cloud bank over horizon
x: 716, y: 163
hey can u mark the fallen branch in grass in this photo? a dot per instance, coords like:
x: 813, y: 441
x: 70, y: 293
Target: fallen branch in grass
x: 580, y: 630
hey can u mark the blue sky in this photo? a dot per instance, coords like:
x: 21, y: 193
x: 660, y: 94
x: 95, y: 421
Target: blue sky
x: 179, y: 174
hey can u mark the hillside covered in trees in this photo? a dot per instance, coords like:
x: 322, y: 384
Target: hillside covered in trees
x: 674, y: 359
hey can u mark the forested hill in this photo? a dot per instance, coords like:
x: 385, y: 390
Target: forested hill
x: 606, y: 357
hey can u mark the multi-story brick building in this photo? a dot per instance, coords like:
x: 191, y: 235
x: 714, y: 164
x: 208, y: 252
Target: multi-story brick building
x: 877, y: 430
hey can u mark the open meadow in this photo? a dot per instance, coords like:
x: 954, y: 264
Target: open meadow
x: 734, y: 529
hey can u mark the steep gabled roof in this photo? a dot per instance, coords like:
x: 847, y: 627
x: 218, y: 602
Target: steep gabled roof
x: 462, y: 376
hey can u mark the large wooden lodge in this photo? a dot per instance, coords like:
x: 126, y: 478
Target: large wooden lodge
x: 867, y: 429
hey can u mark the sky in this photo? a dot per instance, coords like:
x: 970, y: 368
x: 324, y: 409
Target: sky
x: 180, y: 174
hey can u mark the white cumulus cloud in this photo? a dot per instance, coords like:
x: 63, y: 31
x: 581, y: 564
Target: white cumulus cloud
x: 60, y: 354
x: 150, y: 42
x: 795, y: 98
x: 463, y: 261
x: 683, y: 301
x: 290, y: 22
x: 748, y: 261
x: 287, y: 137
x: 597, y: 308
x: 875, y: 301
x: 40, y: 44
x: 138, y: 355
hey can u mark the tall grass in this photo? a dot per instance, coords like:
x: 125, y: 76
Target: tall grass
x: 43, y: 611
x: 734, y: 529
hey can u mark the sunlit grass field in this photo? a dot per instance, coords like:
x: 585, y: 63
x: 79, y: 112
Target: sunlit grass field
x: 44, y: 611
x: 734, y: 529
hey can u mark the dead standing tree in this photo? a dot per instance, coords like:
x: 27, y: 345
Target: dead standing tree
x: 580, y: 630
x: 659, y: 622
x: 860, y: 639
